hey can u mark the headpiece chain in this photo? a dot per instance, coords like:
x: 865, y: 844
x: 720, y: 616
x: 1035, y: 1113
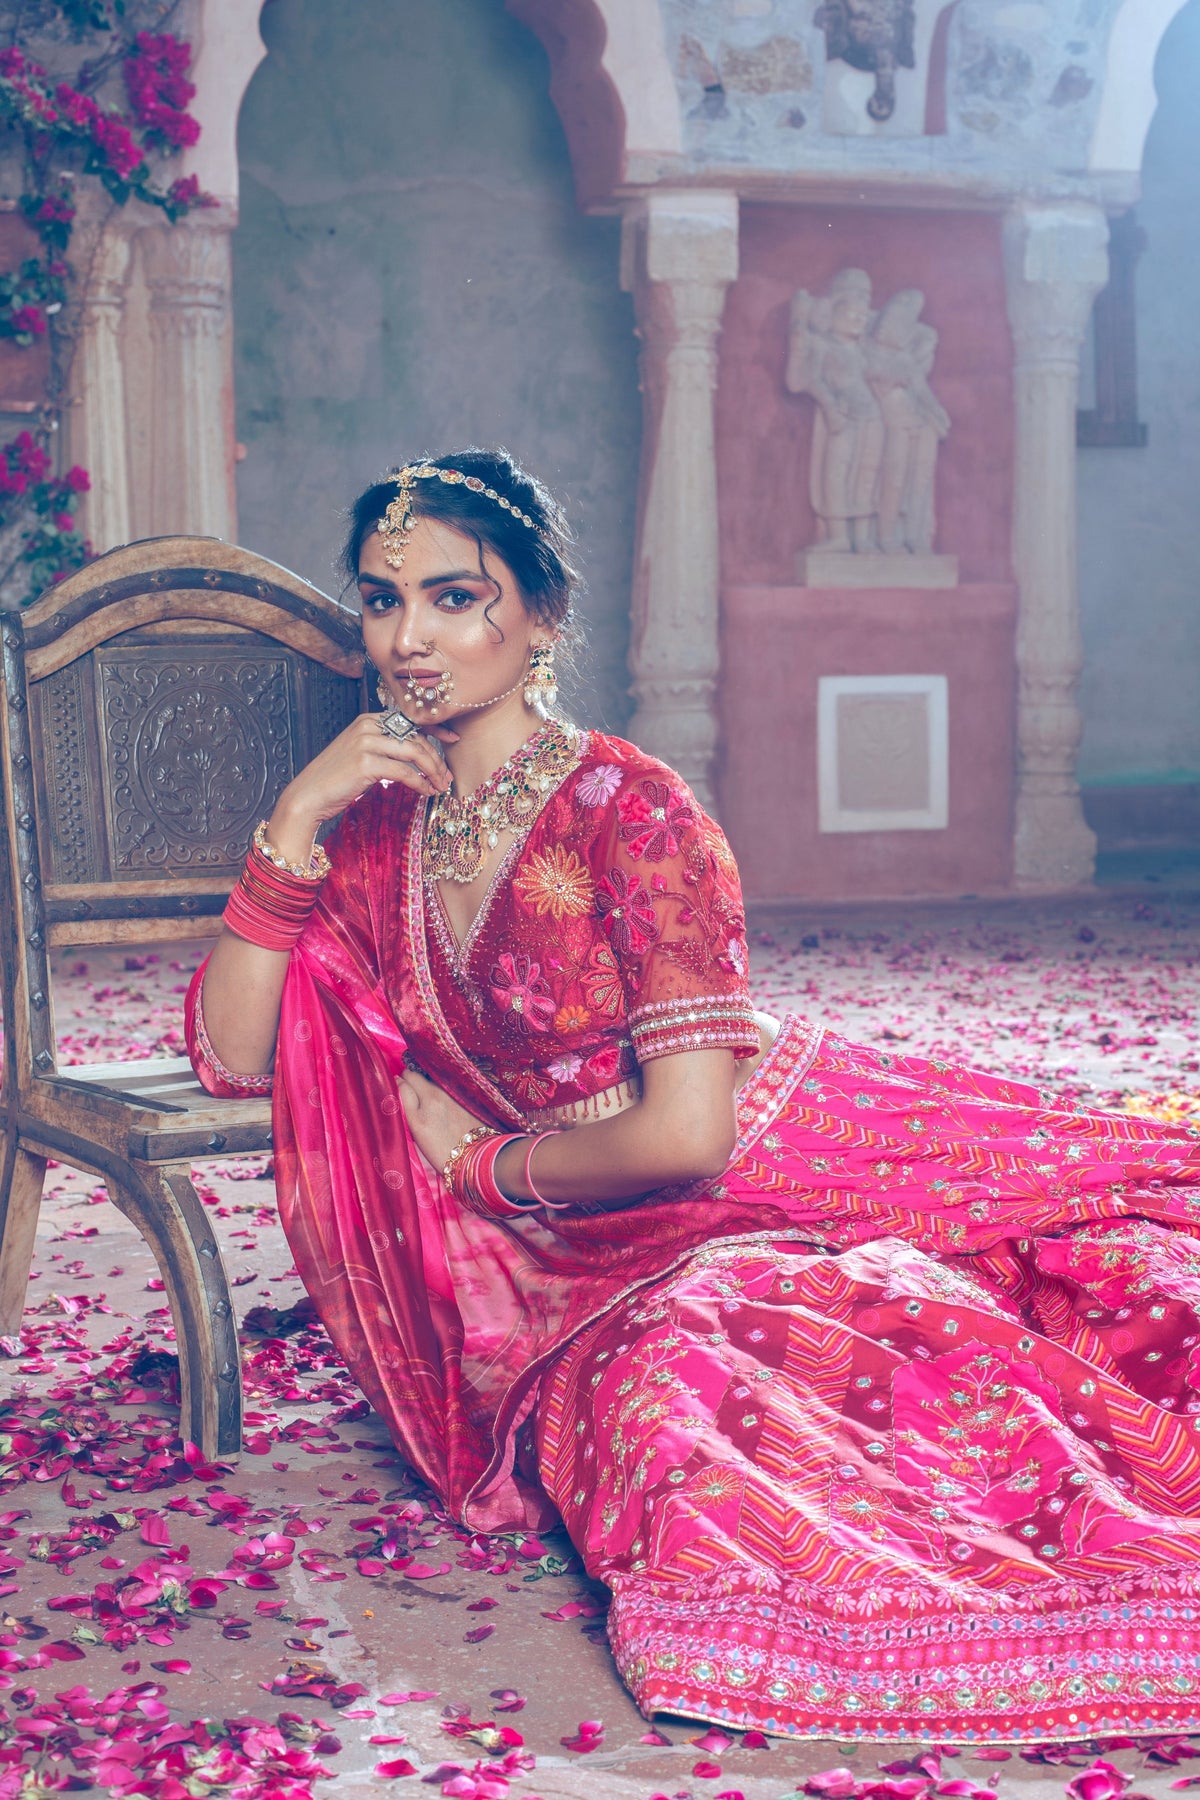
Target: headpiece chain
x: 396, y: 526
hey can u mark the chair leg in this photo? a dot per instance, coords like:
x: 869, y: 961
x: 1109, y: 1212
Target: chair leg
x: 21, y: 1179
x: 161, y: 1201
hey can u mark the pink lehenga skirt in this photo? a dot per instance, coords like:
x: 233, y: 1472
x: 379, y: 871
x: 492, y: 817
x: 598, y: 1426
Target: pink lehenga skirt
x: 928, y: 1464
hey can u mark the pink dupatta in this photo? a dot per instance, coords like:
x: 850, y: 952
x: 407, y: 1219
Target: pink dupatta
x: 446, y: 1320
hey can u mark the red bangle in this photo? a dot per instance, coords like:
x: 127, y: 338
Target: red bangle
x: 473, y: 1181
x: 540, y: 1199
x: 268, y: 907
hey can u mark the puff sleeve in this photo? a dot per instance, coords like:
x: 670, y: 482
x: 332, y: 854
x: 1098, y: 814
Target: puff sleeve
x: 670, y: 905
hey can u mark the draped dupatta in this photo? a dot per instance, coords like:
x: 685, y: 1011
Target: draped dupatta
x: 446, y: 1320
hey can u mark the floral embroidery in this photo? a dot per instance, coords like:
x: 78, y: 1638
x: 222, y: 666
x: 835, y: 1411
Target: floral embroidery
x: 518, y: 987
x: 604, y: 1064
x: 734, y: 957
x: 597, y: 786
x: 565, y: 1068
x: 602, y: 979
x: 527, y: 1085
x: 608, y: 930
x: 627, y: 912
x: 652, y: 821
x: 556, y: 882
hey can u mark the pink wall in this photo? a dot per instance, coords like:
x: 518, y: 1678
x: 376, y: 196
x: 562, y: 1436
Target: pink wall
x: 778, y: 639
x: 776, y: 643
x: 763, y: 432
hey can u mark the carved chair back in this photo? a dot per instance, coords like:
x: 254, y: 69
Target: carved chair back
x: 154, y: 706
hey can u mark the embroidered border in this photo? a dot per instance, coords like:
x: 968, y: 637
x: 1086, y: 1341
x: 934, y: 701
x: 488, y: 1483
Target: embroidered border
x: 694, y: 1022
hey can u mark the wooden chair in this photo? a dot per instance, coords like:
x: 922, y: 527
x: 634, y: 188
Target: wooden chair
x: 152, y: 707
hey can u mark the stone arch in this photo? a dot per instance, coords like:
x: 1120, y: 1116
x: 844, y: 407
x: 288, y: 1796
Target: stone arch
x: 613, y: 87
x: 1129, y: 97
x: 229, y: 48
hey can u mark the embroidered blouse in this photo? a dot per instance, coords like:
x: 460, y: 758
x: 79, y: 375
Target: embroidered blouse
x: 612, y: 933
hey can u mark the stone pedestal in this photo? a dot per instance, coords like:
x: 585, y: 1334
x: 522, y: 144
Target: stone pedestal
x: 683, y: 249
x: 1055, y: 263
x: 191, y: 431
x: 843, y: 569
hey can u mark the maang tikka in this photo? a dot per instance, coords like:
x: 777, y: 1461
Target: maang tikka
x: 541, y: 683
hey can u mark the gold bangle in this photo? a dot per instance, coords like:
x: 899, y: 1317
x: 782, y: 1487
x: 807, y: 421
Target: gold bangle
x: 476, y: 1133
x: 319, y: 864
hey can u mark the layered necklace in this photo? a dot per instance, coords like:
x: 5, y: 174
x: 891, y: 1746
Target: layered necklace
x: 460, y: 833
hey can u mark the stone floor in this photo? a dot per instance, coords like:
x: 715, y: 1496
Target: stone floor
x: 335, y: 1593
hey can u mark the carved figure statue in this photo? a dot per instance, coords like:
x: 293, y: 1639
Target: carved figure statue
x: 900, y: 352
x: 827, y: 359
x: 878, y: 422
x: 875, y: 35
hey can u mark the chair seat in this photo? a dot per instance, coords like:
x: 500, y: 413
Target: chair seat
x: 168, y: 1115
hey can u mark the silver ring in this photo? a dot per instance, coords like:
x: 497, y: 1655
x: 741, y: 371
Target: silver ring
x: 398, y: 725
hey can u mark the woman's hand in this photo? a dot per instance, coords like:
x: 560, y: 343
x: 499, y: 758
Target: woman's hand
x: 356, y: 759
x: 436, y: 1121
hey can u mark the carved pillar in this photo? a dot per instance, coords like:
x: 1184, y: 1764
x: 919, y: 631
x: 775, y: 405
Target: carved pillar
x: 685, y: 245
x: 99, y: 423
x: 1055, y: 263
x: 191, y: 402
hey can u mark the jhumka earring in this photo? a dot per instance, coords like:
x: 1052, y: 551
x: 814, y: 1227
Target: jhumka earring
x: 541, y: 683
x: 384, y: 694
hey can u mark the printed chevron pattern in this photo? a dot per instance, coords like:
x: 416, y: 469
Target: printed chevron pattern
x: 928, y: 1466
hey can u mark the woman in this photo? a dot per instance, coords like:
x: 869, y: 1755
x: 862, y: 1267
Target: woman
x: 869, y: 1385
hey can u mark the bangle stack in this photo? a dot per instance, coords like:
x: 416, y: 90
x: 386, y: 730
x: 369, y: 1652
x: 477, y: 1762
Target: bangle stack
x: 470, y: 1173
x: 273, y: 899
x: 318, y: 867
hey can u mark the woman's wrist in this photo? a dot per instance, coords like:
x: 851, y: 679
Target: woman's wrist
x: 509, y: 1170
x: 292, y: 831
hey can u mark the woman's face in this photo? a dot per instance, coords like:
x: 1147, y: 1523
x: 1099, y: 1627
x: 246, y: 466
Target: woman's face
x: 441, y: 614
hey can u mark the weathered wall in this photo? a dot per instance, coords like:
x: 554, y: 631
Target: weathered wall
x: 1139, y: 519
x: 411, y: 273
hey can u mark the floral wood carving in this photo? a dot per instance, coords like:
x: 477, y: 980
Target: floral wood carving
x: 874, y: 35
x: 197, y: 750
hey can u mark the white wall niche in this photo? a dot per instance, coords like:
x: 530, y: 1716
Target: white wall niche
x: 883, y: 753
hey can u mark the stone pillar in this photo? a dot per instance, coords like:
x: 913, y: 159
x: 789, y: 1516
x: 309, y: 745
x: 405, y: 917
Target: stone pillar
x: 188, y: 277
x: 99, y: 423
x: 1055, y: 263
x: 685, y: 252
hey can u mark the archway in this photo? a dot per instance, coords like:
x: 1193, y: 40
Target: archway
x: 411, y: 272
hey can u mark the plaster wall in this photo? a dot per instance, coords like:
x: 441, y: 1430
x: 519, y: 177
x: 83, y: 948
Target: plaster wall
x: 1139, y: 524
x: 411, y: 274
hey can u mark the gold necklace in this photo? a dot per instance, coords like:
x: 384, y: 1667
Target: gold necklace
x: 460, y: 833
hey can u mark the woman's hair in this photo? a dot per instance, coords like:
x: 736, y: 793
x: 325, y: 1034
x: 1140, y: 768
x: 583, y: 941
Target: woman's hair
x: 540, y: 559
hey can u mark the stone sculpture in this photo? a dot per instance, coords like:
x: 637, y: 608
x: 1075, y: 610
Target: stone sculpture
x: 876, y: 434
x: 875, y: 35
x: 900, y: 355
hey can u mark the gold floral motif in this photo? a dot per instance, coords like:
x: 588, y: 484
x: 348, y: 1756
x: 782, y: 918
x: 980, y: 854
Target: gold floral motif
x: 556, y: 881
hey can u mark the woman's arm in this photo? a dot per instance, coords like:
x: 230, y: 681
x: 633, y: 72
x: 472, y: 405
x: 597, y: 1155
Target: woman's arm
x: 243, y: 984
x: 683, y: 1129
